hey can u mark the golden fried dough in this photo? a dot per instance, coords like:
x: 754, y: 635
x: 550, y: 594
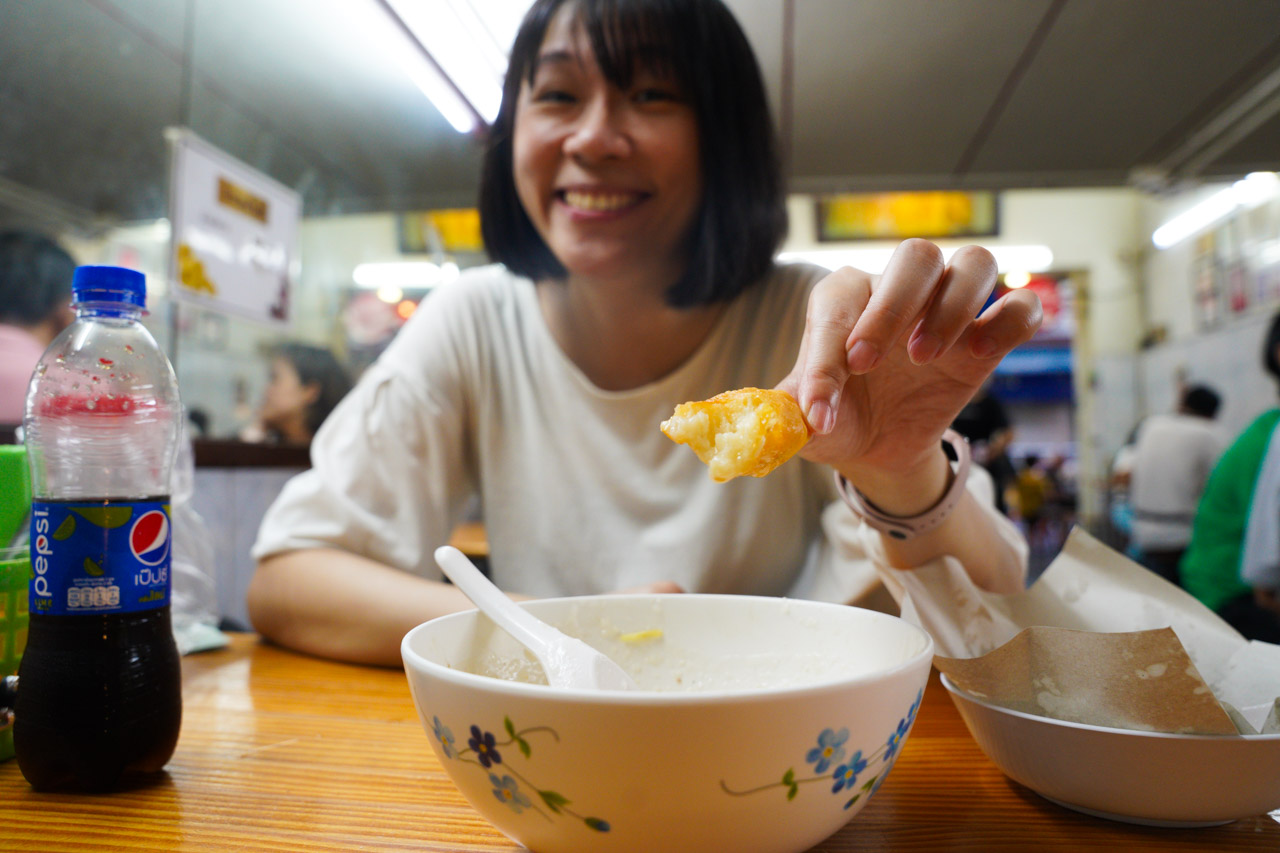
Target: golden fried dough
x: 750, y: 431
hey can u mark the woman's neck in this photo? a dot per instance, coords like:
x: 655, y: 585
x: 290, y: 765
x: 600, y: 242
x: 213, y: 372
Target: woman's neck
x: 622, y: 337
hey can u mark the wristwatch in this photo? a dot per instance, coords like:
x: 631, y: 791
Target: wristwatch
x: 904, y: 528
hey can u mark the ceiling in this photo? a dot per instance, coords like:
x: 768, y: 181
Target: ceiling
x: 869, y: 95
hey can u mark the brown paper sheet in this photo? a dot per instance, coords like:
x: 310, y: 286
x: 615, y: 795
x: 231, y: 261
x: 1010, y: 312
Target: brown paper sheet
x: 1142, y: 680
x: 1093, y: 589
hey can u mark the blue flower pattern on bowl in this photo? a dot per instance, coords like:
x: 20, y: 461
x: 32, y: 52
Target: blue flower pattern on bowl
x: 846, y: 775
x: 448, y: 745
x: 508, y: 792
x: 510, y: 787
x: 830, y: 750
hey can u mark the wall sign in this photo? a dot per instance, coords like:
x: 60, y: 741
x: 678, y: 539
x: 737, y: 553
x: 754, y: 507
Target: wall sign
x: 234, y: 233
x: 896, y: 216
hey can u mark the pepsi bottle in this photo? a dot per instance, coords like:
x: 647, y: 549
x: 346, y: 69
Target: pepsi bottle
x: 99, y: 699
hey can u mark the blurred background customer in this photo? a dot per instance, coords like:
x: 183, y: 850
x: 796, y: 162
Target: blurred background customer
x: 1173, y: 456
x: 304, y: 385
x: 1237, y: 497
x: 35, y: 305
x: 989, y: 429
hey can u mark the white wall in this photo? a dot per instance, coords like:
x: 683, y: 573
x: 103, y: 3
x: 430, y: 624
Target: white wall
x: 1226, y: 355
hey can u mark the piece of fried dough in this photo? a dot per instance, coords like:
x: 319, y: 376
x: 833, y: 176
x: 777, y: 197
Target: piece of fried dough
x: 749, y: 432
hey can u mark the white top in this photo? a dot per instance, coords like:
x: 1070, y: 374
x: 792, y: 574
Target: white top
x: 579, y: 490
x: 1172, y: 459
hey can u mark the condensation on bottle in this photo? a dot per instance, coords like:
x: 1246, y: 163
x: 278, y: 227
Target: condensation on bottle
x: 99, y: 700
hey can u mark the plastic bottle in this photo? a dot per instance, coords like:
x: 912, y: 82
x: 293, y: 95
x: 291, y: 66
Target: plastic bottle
x: 99, y: 688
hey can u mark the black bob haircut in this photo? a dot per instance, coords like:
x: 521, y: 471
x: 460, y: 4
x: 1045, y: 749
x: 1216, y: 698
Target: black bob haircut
x: 1271, y: 348
x: 742, y: 218
x: 35, y: 277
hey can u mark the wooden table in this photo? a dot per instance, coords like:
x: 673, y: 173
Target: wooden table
x: 288, y: 753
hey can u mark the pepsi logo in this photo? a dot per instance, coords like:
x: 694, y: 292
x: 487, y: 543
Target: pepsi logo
x: 149, y: 538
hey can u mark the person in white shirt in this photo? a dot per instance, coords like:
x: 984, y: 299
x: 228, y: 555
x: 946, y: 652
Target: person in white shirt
x: 632, y: 196
x: 1173, y: 456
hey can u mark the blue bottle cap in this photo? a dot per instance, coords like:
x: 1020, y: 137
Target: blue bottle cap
x: 109, y: 284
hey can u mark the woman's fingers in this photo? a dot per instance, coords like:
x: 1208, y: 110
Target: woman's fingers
x: 1010, y: 321
x: 834, y: 307
x: 901, y: 294
x: 959, y: 296
x: 851, y: 325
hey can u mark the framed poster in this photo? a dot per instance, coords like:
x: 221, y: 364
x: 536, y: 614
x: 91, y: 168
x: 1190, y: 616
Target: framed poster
x: 447, y: 230
x: 897, y: 216
x: 234, y: 233
x: 1206, y: 282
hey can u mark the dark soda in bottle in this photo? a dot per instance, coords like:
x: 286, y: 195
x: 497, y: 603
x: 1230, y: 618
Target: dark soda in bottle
x: 99, y: 698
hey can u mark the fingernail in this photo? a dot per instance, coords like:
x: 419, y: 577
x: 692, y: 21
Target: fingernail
x: 983, y: 347
x: 924, y: 348
x: 863, y: 357
x: 821, y: 416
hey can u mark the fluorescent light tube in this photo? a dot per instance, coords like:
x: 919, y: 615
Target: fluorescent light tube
x: 1250, y: 191
x: 405, y: 275
x: 1008, y: 258
x: 386, y: 35
x: 468, y: 40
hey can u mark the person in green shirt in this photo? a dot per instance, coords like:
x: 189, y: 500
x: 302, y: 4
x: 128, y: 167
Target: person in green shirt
x: 1210, y: 568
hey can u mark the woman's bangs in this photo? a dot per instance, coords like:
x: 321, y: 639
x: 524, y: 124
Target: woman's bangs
x: 626, y: 36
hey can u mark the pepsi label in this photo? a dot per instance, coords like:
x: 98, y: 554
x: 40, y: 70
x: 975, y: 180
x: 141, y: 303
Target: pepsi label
x: 99, y: 556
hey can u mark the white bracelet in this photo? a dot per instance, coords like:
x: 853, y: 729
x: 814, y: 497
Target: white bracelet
x: 909, y: 527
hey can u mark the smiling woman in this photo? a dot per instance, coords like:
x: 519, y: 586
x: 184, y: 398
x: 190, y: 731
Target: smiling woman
x: 631, y: 196
x: 589, y: 81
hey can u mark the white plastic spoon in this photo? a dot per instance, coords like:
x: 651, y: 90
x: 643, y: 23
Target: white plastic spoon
x: 567, y: 661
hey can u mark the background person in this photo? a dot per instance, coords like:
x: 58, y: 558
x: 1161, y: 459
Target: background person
x: 305, y: 384
x: 986, y: 423
x: 35, y: 305
x: 632, y: 194
x: 1173, y: 456
x: 1211, y: 567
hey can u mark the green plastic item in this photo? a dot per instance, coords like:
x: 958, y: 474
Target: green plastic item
x: 15, y: 576
x: 15, y: 490
x: 15, y: 568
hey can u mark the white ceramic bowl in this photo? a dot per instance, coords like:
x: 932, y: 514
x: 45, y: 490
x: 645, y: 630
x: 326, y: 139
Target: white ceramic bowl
x: 763, y: 724
x: 1148, y: 778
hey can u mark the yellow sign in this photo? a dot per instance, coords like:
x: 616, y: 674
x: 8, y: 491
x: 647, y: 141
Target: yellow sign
x: 238, y: 198
x: 896, y: 216
x: 445, y: 230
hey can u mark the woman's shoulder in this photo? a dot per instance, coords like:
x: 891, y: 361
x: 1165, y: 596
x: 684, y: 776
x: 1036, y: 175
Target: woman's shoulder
x: 786, y: 284
x: 455, y: 319
x: 795, y: 274
x: 478, y: 286
x: 476, y: 297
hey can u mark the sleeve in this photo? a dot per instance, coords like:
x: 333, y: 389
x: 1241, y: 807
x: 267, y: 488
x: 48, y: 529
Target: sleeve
x: 849, y: 563
x: 940, y: 596
x: 1260, y: 554
x: 389, y: 476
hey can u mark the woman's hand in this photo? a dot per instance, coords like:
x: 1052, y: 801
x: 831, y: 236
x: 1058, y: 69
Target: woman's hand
x: 886, y: 363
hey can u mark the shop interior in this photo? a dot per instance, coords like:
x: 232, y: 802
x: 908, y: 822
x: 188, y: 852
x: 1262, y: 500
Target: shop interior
x: 1061, y: 134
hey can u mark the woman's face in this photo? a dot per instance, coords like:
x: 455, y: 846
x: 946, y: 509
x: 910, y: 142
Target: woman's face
x: 610, y: 178
x: 285, y: 396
